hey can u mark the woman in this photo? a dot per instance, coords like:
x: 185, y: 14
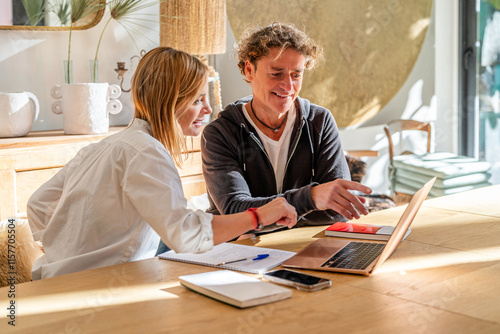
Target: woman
x: 112, y: 202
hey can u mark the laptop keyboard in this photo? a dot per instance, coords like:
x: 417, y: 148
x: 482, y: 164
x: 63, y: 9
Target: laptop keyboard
x: 355, y: 255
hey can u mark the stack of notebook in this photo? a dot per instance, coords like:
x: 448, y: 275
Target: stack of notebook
x: 454, y: 173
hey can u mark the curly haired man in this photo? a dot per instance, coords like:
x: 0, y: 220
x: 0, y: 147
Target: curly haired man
x: 275, y: 143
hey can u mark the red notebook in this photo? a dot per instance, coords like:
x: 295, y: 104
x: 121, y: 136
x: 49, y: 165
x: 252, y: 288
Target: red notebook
x: 361, y: 231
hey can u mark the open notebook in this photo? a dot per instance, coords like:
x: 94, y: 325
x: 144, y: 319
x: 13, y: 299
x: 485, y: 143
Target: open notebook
x: 227, y: 252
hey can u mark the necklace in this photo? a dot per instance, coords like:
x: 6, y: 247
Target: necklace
x: 267, y: 126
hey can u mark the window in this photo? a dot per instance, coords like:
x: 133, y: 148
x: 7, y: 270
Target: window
x: 479, y: 81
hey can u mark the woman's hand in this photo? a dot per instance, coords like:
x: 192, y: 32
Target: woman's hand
x: 227, y: 227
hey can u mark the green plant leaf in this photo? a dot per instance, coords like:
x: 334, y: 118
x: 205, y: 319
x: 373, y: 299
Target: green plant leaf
x: 80, y: 9
x: 495, y: 3
x: 35, y: 10
x: 122, y: 12
x: 62, y: 9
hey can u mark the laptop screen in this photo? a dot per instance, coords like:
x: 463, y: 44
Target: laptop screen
x: 404, y: 222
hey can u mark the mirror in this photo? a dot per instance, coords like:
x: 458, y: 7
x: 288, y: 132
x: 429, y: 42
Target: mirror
x: 49, y: 14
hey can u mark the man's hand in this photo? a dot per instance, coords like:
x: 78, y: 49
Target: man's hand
x: 335, y: 195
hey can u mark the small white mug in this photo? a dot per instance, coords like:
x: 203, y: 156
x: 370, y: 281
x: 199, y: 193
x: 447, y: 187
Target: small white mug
x: 17, y: 114
x: 86, y: 106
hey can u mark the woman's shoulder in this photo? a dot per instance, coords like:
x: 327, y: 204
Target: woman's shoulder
x: 137, y: 139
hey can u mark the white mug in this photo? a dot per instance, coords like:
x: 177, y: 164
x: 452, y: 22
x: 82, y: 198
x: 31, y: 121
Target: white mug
x: 17, y: 114
x: 86, y: 106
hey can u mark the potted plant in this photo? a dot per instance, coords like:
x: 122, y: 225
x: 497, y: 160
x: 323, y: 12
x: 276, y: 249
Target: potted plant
x: 80, y: 9
x: 86, y: 105
x: 122, y: 11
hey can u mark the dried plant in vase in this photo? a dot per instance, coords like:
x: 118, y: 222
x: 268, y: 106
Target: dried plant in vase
x: 125, y: 12
x: 80, y: 9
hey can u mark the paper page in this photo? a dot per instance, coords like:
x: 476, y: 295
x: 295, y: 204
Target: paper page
x: 227, y: 252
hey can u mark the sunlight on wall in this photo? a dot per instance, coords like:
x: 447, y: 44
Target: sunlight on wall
x: 419, y: 27
x: 15, y: 43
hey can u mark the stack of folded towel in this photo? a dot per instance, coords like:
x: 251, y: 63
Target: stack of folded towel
x: 454, y: 173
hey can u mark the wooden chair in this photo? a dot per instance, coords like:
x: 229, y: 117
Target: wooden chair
x: 18, y: 251
x: 398, y: 126
x: 401, y: 125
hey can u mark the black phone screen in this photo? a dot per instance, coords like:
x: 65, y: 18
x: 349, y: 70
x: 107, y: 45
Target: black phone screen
x: 296, y: 277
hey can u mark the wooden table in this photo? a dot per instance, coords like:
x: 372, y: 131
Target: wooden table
x: 445, y: 278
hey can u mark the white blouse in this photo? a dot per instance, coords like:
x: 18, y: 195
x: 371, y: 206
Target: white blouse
x: 111, y: 203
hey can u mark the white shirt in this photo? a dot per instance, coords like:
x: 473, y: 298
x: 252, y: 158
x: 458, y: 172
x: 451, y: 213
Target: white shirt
x: 111, y: 203
x: 277, y: 150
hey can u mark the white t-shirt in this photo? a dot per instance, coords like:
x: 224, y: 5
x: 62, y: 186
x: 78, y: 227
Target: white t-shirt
x: 276, y: 150
x: 111, y: 203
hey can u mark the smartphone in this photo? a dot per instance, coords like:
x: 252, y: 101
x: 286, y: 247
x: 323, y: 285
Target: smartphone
x: 298, y: 280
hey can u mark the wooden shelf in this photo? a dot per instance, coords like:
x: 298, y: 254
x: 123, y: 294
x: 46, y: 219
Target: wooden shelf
x: 28, y: 162
x: 40, y: 138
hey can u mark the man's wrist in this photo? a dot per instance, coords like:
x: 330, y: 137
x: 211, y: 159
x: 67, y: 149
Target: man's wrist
x: 311, y: 205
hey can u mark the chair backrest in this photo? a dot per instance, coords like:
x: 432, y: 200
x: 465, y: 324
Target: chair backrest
x: 26, y: 251
x: 400, y: 125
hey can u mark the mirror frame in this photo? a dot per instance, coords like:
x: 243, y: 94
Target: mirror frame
x: 94, y: 22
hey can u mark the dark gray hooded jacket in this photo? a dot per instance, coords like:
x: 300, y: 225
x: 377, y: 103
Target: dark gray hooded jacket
x: 239, y: 175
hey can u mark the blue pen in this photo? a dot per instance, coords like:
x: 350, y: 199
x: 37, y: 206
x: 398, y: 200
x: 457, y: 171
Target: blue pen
x: 259, y: 257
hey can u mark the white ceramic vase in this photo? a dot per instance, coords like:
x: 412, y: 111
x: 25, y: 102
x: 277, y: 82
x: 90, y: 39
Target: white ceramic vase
x: 86, y: 106
x: 17, y: 113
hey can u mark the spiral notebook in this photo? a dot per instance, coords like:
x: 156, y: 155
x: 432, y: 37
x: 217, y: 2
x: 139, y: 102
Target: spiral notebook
x: 227, y: 252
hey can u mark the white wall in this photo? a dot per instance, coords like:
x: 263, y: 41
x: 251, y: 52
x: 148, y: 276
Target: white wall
x: 5, y: 13
x: 232, y: 85
x: 33, y: 61
x: 446, y: 75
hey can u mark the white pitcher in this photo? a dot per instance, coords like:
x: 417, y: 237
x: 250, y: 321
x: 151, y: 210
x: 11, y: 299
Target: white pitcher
x: 17, y: 114
x: 86, y: 106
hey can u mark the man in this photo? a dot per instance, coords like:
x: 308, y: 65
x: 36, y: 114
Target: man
x: 275, y: 143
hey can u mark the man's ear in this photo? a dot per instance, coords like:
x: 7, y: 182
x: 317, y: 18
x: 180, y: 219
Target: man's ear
x: 249, y: 70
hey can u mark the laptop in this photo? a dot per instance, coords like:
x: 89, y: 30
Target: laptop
x: 357, y: 257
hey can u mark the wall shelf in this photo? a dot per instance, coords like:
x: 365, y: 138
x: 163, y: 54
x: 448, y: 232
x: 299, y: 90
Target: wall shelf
x: 28, y: 162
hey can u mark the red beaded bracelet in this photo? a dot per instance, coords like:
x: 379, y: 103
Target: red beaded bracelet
x: 258, y: 225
